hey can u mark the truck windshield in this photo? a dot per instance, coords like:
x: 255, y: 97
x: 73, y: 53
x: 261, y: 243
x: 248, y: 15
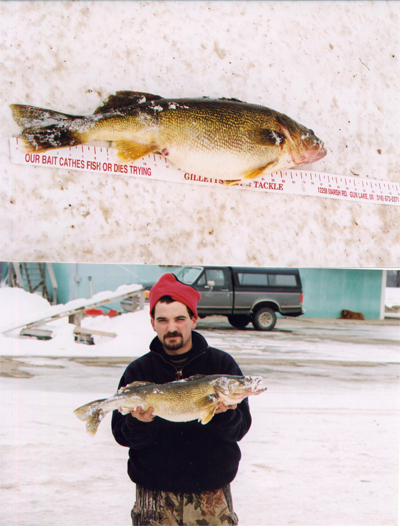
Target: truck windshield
x: 188, y: 275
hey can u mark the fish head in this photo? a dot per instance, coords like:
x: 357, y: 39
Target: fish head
x: 234, y: 389
x: 301, y: 144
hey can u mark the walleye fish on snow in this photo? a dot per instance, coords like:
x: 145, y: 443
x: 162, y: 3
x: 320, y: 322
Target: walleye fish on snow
x: 222, y: 138
x: 193, y: 398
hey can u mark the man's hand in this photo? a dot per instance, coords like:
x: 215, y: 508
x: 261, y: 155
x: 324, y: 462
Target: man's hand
x: 222, y: 407
x: 143, y: 417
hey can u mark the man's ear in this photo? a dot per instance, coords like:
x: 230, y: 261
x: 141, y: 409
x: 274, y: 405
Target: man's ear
x: 152, y: 323
x: 194, y: 322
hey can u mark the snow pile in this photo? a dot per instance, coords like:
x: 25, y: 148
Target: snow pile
x: 17, y: 305
x: 133, y: 330
x: 29, y: 314
x: 392, y: 297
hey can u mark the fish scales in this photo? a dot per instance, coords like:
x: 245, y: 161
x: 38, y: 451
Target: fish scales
x: 222, y: 138
x: 194, y: 398
x: 179, y: 400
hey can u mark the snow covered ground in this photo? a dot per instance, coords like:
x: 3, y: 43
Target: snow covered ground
x: 17, y: 305
x: 323, y: 448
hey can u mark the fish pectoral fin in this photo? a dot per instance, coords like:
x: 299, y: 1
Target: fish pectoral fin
x: 267, y: 137
x: 130, y: 151
x: 252, y: 174
x: 232, y: 182
x: 255, y: 173
x: 207, y: 414
x: 124, y: 99
x: 209, y: 404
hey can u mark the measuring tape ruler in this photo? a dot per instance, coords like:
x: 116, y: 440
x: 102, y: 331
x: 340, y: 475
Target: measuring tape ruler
x: 155, y: 166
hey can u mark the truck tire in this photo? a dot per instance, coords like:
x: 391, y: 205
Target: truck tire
x: 239, y: 321
x: 264, y: 319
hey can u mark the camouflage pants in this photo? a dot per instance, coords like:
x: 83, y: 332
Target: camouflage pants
x: 164, y: 508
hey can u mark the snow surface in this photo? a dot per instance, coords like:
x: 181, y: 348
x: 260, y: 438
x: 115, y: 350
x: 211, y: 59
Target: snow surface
x: 392, y: 296
x: 332, y: 66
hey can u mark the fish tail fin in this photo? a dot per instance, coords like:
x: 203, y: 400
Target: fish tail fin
x: 93, y: 414
x: 45, y: 129
x: 49, y: 137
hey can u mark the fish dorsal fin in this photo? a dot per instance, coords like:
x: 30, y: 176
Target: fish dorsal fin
x: 124, y: 99
x: 231, y: 100
x: 193, y: 378
x: 133, y: 385
x: 267, y: 137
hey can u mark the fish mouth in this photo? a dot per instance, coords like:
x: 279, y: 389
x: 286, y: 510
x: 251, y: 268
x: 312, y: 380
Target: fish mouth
x: 318, y: 154
x: 310, y: 155
x: 252, y: 385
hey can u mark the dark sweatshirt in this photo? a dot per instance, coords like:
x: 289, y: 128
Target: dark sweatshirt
x: 182, y: 457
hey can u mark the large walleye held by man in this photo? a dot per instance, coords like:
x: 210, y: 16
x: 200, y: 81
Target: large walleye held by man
x: 222, y: 138
x: 194, y: 398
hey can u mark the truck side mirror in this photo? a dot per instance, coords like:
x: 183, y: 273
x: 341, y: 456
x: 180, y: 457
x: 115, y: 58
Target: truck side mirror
x: 210, y: 284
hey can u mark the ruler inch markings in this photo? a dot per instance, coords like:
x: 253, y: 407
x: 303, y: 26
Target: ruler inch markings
x: 288, y: 182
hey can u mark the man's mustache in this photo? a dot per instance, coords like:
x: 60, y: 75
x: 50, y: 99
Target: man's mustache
x: 173, y: 334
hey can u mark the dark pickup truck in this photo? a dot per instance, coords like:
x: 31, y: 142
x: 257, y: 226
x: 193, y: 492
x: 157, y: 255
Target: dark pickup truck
x: 245, y: 294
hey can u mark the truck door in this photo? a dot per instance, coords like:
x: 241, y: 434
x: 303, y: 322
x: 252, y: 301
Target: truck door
x: 215, y: 288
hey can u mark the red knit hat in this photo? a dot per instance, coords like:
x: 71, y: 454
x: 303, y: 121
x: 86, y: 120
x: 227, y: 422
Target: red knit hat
x: 169, y: 285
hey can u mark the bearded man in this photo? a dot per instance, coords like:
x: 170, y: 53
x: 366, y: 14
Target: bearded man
x: 182, y: 470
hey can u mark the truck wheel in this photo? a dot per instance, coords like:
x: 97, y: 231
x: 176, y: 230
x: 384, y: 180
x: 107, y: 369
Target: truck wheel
x: 264, y: 319
x: 239, y: 321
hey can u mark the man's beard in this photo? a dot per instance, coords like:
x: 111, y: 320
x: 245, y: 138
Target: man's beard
x: 173, y: 346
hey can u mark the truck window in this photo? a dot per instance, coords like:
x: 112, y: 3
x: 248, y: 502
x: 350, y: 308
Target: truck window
x: 282, y: 280
x: 188, y: 275
x: 216, y: 275
x: 265, y: 280
x: 253, y: 280
x: 202, y: 280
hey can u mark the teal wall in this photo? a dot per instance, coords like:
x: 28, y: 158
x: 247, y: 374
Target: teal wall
x: 73, y: 278
x: 328, y: 291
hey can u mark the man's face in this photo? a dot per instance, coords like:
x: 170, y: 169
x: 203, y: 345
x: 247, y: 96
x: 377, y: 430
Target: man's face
x: 173, y: 326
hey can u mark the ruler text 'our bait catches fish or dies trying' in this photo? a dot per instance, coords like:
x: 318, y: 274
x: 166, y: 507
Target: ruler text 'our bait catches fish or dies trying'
x: 104, y: 160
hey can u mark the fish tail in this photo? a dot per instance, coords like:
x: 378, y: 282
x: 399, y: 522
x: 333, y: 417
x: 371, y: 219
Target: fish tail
x: 93, y: 414
x: 49, y: 137
x: 46, y: 129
